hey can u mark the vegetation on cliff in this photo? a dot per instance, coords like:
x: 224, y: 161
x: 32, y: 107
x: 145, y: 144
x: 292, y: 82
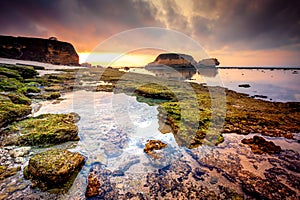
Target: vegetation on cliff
x: 38, y: 49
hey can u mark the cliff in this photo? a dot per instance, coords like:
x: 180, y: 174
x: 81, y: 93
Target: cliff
x: 38, y: 49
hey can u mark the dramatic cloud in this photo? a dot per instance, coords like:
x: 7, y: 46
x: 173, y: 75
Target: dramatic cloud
x: 224, y: 26
x: 83, y: 22
x: 253, y: 24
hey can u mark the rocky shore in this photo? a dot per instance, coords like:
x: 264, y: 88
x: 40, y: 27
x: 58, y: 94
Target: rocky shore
x: 207, y: 167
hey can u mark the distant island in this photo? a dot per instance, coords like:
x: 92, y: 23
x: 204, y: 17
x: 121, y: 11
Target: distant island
x: 181, y: 61
x: 37, y: 49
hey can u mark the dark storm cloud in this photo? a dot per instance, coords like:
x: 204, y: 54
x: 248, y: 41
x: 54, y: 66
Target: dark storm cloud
x: 253, y: 24
x: 238, y: 24
x: 75, y: 19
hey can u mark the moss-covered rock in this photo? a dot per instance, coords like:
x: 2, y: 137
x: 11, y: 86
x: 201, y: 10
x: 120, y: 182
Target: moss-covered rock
x: 24, y: 71
x: 10, y: 73
x: 48, y: 95
x: 10, y: 84
x: 10, y: 112
x: 155, y: 91
x: 18, y: 98
x: 14, y: 85
x: 46, y: 129
x: 56, y: 168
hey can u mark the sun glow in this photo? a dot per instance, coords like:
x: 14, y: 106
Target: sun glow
x: 105, y: 59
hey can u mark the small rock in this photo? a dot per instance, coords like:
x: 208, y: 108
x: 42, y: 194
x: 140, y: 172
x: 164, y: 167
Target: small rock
x: 260, y: 145
x: 118, y: 173
x: 152, y: 145
x: 244, y: 85
x: 213, y: 180
x: 20, y: 160
x: 20, y: 152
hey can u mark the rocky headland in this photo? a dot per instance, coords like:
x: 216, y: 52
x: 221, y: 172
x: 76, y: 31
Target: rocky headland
x: 37, y: 49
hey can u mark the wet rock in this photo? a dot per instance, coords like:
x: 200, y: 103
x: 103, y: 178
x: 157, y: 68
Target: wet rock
x: 20, y: 152
x: 259, y: 188
x: 99, y: 184
x: 213, y: 180
x: 260, y: 145
x: 198, y: 173
x: 125, y: 166
x: 53, y: 168
x: 290, y: 159
x: 177, y: 182
x: 43, y: 130
x: 18, y: 98
x: 260, y: 96
x: 7, y: 172
x: 20, y: 160
x: 244, y: 85
x: 152, y: 145
x: 155, y: 91
x: 118, y: 173
x: 276, y: 173
x: 111, y: 150
x: 53, y: 88
x: 11, y: 112
x: 48, y: 95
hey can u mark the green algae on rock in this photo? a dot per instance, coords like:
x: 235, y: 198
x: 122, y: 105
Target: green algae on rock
x: 17, y: 98
x: 48, y: 95
x: 10, y: 112
x: 24, y: 71
x: 55, y: 168
x: 46, y: 129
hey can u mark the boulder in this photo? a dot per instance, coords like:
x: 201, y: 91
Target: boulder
x: 52, y: 168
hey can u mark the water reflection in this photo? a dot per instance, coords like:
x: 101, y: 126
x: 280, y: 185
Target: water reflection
x: 184, y: 73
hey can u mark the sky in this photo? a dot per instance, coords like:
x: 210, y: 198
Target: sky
x: 237, y: 32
